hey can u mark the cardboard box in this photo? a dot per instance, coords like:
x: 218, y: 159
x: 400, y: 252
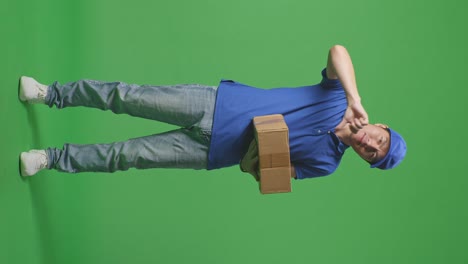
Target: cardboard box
x: 272, y: 135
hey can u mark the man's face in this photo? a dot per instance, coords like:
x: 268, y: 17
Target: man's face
x: 371, y: 142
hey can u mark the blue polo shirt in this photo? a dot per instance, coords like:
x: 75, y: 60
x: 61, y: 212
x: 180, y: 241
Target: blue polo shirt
x: 311, y: 113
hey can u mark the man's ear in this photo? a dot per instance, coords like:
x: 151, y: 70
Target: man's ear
x: 382, y: 126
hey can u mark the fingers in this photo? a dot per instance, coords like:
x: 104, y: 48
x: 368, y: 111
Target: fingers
x: 364, y: 121
x: 360, y: 115
x: 357, y: 124
x: 357, y: 117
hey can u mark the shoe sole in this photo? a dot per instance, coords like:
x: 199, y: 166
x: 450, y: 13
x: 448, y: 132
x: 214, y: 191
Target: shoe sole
x: 20, y: 89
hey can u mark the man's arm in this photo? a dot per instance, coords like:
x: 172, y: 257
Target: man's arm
x: 340, y: 66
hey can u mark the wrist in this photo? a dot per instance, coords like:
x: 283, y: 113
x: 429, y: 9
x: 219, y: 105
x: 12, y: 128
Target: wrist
x: 353, y: 100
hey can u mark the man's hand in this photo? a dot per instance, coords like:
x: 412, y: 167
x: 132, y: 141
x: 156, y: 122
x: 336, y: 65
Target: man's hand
x: 356, y: 116
x: 249, y: 162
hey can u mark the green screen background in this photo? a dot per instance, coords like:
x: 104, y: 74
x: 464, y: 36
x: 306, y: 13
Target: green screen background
x: 410, y: 59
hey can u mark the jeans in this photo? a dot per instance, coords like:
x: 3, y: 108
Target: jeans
x: 189, y: 106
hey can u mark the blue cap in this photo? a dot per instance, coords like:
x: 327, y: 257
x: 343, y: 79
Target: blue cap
x: 396, y: 152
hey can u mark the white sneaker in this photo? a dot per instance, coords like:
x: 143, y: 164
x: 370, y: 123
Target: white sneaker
x: 33, y: 161
x: 31, y: 91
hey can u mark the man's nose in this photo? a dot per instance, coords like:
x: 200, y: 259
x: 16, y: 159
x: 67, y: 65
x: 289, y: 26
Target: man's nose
x: 370, y: 144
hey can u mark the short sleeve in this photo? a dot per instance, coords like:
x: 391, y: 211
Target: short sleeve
x: 329, y: 83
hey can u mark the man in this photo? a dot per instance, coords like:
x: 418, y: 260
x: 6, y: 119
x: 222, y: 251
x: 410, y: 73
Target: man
x: 216, y: 124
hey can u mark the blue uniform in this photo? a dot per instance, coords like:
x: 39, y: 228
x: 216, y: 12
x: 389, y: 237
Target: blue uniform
x: 311, y: 113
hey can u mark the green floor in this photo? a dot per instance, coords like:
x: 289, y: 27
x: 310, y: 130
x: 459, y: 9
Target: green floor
x: 411, y: 62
